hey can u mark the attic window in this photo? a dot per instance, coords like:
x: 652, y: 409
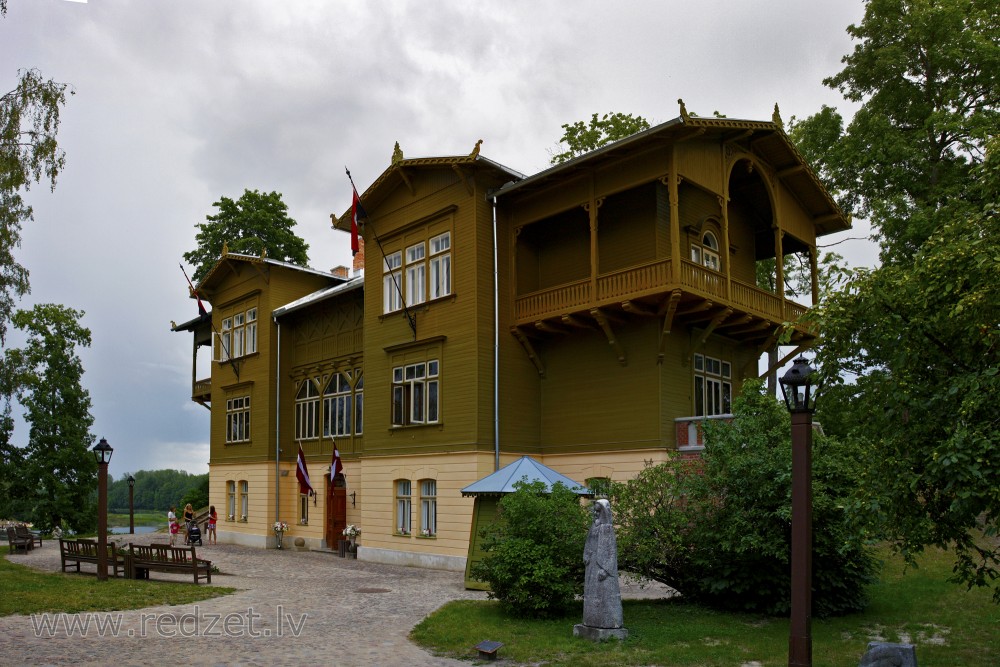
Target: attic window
x: 707, y: 252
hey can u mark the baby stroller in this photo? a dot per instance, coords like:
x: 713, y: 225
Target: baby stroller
x: 194, y: 534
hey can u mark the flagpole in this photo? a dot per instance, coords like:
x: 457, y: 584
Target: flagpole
x: 406, y: 311
x: 211, y: 321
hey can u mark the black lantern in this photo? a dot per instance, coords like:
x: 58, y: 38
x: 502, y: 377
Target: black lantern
x: 131, y: 482
x: 102, y: 452
x: 796, y: 387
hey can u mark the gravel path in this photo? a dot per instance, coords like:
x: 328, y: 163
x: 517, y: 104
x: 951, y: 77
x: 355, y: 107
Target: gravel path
x: 292, y: 608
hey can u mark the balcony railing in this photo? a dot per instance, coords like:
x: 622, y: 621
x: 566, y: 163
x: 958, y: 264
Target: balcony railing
x: 650, y: 279
x: 201, y: 390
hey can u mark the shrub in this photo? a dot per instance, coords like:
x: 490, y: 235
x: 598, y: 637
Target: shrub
x: 718, y: 529
x: 534, y: 551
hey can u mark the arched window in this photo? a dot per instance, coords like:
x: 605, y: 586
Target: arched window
x: 337, y: 409
x: 707, y: 252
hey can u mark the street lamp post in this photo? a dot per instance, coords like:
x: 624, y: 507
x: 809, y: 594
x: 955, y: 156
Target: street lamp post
x: 102, y: 452
x: 796, y: 386
x: 131, y: 505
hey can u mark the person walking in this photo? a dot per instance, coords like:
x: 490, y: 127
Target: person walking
x: 188, y: 518
x: 210, y: 526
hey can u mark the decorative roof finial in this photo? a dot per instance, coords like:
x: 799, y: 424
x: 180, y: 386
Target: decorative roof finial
x: 225, y: 248
x: 684, y: 111
x: 397, y: 154
x: 263, y: 252
x: 475, y: 151
x: 776, y: 117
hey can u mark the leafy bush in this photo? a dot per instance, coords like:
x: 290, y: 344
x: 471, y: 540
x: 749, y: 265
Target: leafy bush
x: 534, y: 551
x: 718, y: 529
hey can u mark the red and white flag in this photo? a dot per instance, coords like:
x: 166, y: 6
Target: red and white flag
x: 302, y: 474
x: 336, y: 467
x: 357, y: 215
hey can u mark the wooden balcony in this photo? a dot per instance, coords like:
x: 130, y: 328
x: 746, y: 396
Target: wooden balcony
x: 201, y: 391
x: 740, y: 310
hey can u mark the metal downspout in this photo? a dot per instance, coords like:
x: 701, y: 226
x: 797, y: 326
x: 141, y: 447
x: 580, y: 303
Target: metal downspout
x: 277, y: 426
x: 496, y: 347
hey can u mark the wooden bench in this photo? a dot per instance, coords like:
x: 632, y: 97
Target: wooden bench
x: 146, y: 558
x: 23, y: 532
x: 76, y: 552
x: 15, y: 543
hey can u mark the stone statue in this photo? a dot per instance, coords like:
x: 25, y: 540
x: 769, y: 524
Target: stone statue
x: 602, y: 598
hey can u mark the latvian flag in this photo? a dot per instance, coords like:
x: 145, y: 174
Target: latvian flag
x: 336, y: 467
x: 302, y: 474
x: 357, y: 214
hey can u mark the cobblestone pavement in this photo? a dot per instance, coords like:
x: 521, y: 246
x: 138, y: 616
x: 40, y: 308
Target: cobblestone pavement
x: 291, y: 608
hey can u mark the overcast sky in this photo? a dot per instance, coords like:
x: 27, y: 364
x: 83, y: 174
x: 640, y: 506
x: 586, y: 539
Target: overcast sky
x: 179, y: 102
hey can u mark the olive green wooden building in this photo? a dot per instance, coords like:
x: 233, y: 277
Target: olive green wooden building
x: 591, y: 316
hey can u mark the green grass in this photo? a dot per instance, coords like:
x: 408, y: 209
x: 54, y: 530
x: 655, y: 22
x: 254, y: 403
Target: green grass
x: 27, y: 591
x: 142, y: 518
x: 949, y: 625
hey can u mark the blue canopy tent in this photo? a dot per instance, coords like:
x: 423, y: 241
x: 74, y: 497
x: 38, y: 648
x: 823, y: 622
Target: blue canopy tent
x: 491, y: 488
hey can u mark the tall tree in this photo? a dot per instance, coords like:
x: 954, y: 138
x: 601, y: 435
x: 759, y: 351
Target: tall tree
x: 255, y: 224
x: 29, y: 153
x: 59, y: 472
x: 581, y: 137
x: 927, y: 75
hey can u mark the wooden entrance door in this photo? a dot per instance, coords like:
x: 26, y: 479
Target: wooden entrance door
x: 336, y: 511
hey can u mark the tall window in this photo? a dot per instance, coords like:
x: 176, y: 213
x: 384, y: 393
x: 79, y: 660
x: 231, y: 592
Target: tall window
x: 708, y: 252
x: 238, y: 419
x: 238, y: 336
x: 416, y: 280
x: 415, y: 394
x: 440, y: 278
x: 403, y: 506
x: 428, y: 507
x: 359, y: 403
x: 244, y: 499
x: 392, y: 283
x: 713, y: 389
x: 231, y: 499
x: 307, y: 411
x: 337, y: 409
x: 303, y: 509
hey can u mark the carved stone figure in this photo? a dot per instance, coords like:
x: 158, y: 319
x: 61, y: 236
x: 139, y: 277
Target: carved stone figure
x: 602, y: 598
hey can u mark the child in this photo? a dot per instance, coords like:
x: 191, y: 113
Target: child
x: 210, y: 526
x: 174, y: 529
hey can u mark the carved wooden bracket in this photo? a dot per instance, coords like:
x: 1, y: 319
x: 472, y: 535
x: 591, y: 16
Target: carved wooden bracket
x: 605, y: 325
x: 529, y: 350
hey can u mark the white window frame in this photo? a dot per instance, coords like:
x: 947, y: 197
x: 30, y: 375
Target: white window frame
x: 231, y: 494
x: 304, y: 509
x: 338, y: 405
x: 713, y: 387
x: 244, y: 500
x: 428, y: 507
x: 307, y: 411
x: 440, y: 265
x: 416, y: 274
x: 403, y: 490
x: 416, y: 393
x: 238, y: 336
x: 238, y: 419
x: 392, y: 282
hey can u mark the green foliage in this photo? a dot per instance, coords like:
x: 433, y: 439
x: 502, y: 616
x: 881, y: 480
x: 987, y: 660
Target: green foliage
x: 718, y: 528
x: 197, y: 494
x: 534, y: 551
x: 29, y: 122
x: 255, y: 224
x: 57, y: 471
x: 159, y: 490
x: 581, y: 137
x: 924, y: 343
x: 927, y: 73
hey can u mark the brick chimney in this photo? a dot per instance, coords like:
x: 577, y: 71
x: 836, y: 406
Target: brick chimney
x: 359, y: 259
x: 340, y: 272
